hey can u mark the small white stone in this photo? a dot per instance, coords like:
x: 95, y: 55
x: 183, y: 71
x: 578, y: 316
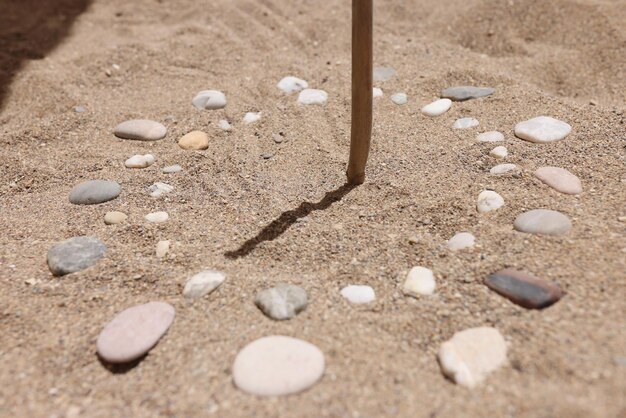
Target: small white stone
x: 157, y: 217
x: 419, y: 281
x: 399, y: 98
x: 292, y: 84
x: 251, y: 117
x: 542, y: 129
x: 158, y: 189
x: 224, y: 125
x: 461, y: 241
x: 172, y: 169
x: 140, y: 161
x: 313, y: 97
x: 503, y: 168
x: 203, y: 283
x: 489, y: 200
x: 376, y: 92
x: 465, y: 123
x: 209, y: 100
x: 162, y: 248
x: 358, y: 294
x: 438, y: 107
x: 491, y: 136
x: 499, y: 152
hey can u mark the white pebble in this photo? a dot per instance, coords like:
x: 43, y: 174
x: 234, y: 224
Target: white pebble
x: 157, y: 217
x: 162, y: 248
x: 419, y: 281
x: 542, y: 129
x: 503, y: 168
x: 438, y: 107
x: 158, y: 189
x: 499, y: 152
x: 140, y: 161
x: 292, y: 84
x: 203, y: 283
x: 376, y: 92
x: 461, y: 241
x: 465, y: 123
x: 358, y: 293
x: 224, y: 125
x: 209, y: 100
x: 172, y: 169
x: 491, y: 136
x: 489, y: 200
x: 251, y: 117
x: 313, y: 97
x: 399, y: 98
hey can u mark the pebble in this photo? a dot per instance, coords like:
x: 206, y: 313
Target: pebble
x: 419, y: 281
x: 284, y: 301
x: 140, y: 129
x: 313, y: 97
x: 560, y: 180
x: 224, y: 125
x: 542, y: 129
x: 172, y: 169
x: 203, y: 283
x: 114, y: 217
x: 383, y: 73
x: 471, y: 355
x: 139, y: 161
x: 524, y: 289
x: 157, y: 217
x: 158, y: 189
x: 461, y: 241
x: 489, y: 200
x: 278, y: 138
x: 399, y: 98
x: 543, y: 221
x: 462, y: 93
x: 134, y: 331
x: 251, y: 117
x: 209, y: 100
x: 499, y: 152
x: 376, y: 92
x: 438, y: 107
x: 94, y: 191
x: 278, y: 365
x: 162, y: 248
x: 292, y: 84
x: 503, y: 168
x: 75, y: 254
x: 465, y: 123
x: 267, y: 155
x: 358, y: 294
x: 195, y: 140
x: 80, y: 109
x: 491, y: 136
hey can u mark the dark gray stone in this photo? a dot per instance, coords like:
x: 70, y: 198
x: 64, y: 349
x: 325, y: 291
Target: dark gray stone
x: 75, y: 254
x: 283, y: 301
x: 94, y: 191
x: 524, y: 289
x: 462, y: 93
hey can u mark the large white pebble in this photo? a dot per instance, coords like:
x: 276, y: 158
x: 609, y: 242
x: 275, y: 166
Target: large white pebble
x: 489, y: 200
x: 292, y: 84
x: 157, y: 217
x: 313, y: 97
x: 139, y: 161
x: 358, y: 293
x: 209, y: 100
x: 461, y: 241
x: 542, y: 129
x: 140, y: 129
x: 203, y: 283
x: 438, y: 107
x: 419, y: 281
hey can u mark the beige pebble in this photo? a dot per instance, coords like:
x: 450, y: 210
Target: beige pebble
x: 114, y: 217
x: 196, y: 140
x: 162, y: 248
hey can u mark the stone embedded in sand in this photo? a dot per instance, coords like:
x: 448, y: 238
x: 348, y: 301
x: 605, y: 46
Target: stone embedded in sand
x: 383, y: 73
x: 75, y: 254
x: 292, y: 84
x: 278, y: 365
x: 195, y: 140
x: 134, y: 331
x: 251, y: 117
x: 465, y: 123
x: 141, y: 130
x: 461, y: 241
x: 524, y: 289
x: 560, y: 180
x: 438, y: 107
x: 209, y: 100
x: 543, y: 221
x: 283, y: 301
x: 157, y: 217
x: 461, y: 93
x: 158, y: 189
x: 94, y: 191
x: 313, y: 97
x: 491, y: 136
x: 358, y: 294
x: 80, y: 109
x: 419, y: 281
x: 139, y: 161
x: 503, y: 168
x: 499, y: 152
x: 470, y: 355
x: 542, y: 129
x: 376, y: 93
x: 224, y: 125
x: 172, y: 169
x: 489, y: 200
x: 114, y: 217
x: 162, y: 248
x: 203, y: 283
x: 399, y: 98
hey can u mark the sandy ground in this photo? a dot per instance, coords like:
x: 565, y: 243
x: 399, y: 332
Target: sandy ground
x: 551, y: 58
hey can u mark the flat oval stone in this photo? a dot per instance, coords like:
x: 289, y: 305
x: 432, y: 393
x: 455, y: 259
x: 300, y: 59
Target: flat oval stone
x: 313, y: 97
x: 157, y: 217
x: 134, y: 331
x: 499, y: 152
x: 203, y: 283
x: 140, y: 161
x: 489, y: 200
x: 399, y: 98
x: 195, y: 140
x: 292, y: 84
x: 462, y: 93
x: 278, y: 365
x: 75, y: 254
x: 209, y: 100
x: 524, y: 289
x: 503, y: 168
x: 419, y: 281
x: 438, y: 107
x: 158, y: 189
x: 465, y: 123
x: 560, y: 180
x: 383, y: 73
x: 114, y: 217
x: 172, y: 169
x: 542, y: 129
x: 141, y: 130
x: 491, y: 136
x: 543, y: 221
x: 461, y: 241
x: 358, y: 294
x: 94, y: 191
x: 283, y: 301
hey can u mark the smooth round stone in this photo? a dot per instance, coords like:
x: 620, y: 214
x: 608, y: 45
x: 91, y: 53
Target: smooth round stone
x: 471, y: 355
x: 94, y: 191
x: 114, y: 217
x: 491, y: 136
x: 489, y: 200
x: 399, y: 98
x: 134, y: 331
x: 158, y: 189
x: 419, y: 281
x: 524, y: 289
x: 162, y: 248
x: 157, y: 217
x: 209, y: 100
x: 503, y: 168
x: 383, y: 73
x: 278, y: 365
x: 499, y: 152
x: 560, y: 180
x: 358, y: 294
x: 376, y: 93
x: 438, y: 107
x: 140, y: 161
x: 141, y: 130
x: 283, y: 301
x: 75, y: 254
x: 203, y: 283
x: 251, y: 117
x: 465, y: 123
x: 313, y: 97
x: 196, y: 140
x: 461, y: 241
x: 224, y: 125
x: 543, y: 221
x: 292, y: 84
x: 462, y: 93
x: 172, y: 169
x: 542, y: 129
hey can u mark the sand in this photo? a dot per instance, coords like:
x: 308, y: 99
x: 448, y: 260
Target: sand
x: 288, y: 218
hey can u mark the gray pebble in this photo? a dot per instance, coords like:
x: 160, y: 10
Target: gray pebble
x: 283, y: 301
x: 94, y: 191
x: 267, y: 156
x: 80, y: 109
x: 462, y: 93
x: 399, y: 98
x: 75, y: 254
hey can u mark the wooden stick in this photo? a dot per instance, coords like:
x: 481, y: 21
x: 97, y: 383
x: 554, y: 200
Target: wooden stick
x: 362, y: 22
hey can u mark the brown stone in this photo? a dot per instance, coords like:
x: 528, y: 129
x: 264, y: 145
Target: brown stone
x: 524, y: 289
